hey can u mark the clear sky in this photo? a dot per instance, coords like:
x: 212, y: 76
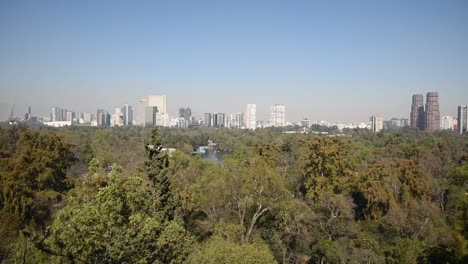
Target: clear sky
x: 326, y: 60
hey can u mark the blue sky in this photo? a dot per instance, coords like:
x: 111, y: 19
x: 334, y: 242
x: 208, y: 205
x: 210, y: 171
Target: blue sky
x: 326, y: 60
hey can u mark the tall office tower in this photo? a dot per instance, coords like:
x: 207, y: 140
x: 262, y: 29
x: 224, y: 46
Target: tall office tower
x: 70, y: 116
x: 446, y: 123
x: 376, y: 123
x: 236, y: 120
x: 462, y: 121
x: 100, y: 117
x: 432, y: 112
x: 140, y: 112
x: 55, y: 114
x: 207, y: 119
x: 214, y: 120
x: 127, y: 113
x: 220, y: 119
x: 87, y: 118
x: 186, y: 113
x: 107, y: 119
x: 103, y: 117
x: 160, y: 101
x: 417, y: 118
x: 58, y: 114
x: 150, y: 116
x: 63, y: 114
x: 251, y: 116
x: 277, y: 115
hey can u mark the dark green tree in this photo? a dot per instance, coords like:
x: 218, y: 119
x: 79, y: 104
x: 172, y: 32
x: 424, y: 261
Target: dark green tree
x: 156, y: 168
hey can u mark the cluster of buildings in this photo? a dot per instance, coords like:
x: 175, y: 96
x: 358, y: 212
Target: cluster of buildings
x: 152, y: 111
x: 247, y: 119
x: 427, y: 116
x: 424, y: 116
x: 60, y: 117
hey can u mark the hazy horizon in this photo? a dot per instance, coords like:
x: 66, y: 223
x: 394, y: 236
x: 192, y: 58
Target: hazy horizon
x: 325, y: 60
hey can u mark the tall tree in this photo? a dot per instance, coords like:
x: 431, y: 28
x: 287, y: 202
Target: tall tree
x: 156, y: 168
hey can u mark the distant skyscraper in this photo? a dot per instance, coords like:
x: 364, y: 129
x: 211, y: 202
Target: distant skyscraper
x: 63, y: 114
x: 376, y: 123
x: 207, y: 119
x: 251, y: 116
x: 417, y: 118
x: 140, y: 112
x: 58, y: 114
x: 87, y: 118
x: 117, y: 117
x: 462, y: 122
x: 236, y: 120
x: 220, y: 119
x: 70, y: 116
x: 99, y: 117
x: 150, y: 116
x: 103, y: 117
x: 186, y: 113
x: 54, y: 114
x: 432, y: 112
x: 277, y: 115
x: 160, y: 101
x: 127, y: 112
x: 447, y: 123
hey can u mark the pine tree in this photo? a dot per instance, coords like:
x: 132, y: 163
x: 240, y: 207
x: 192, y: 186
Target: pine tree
x: 156, y: 168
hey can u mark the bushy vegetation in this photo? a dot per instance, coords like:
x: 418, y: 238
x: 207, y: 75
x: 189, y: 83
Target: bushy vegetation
x: 83, y: 195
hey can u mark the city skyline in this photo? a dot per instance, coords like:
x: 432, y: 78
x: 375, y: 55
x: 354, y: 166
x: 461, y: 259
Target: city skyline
x: 19, y: 111
x: 314, y: 57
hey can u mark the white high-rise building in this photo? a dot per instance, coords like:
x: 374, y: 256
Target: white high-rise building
x: 376, y: 123
x: 57, y: 114
x: 251, y: 116
x: 139, y: 118
x: 277, y: 115
x: 70, y: 116
x: 446, y: 123
x: 117, y: 117
x: 159, y: 101
x: 236, y: 120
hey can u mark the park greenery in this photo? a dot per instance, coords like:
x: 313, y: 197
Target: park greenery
x: 114, y: 195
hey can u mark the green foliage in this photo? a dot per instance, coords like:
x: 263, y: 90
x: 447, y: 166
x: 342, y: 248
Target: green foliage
x: 156, y: 168
x: 326, y: 166
x: 33, y: 180
x: 390, y: 197
x: 118, y: 224
x: 219, y: 250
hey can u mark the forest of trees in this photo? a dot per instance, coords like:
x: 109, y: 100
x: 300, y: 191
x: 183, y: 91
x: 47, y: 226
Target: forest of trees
x: 90, y: 195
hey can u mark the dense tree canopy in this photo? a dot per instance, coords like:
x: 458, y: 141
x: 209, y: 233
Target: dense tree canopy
x: 388, y: 197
